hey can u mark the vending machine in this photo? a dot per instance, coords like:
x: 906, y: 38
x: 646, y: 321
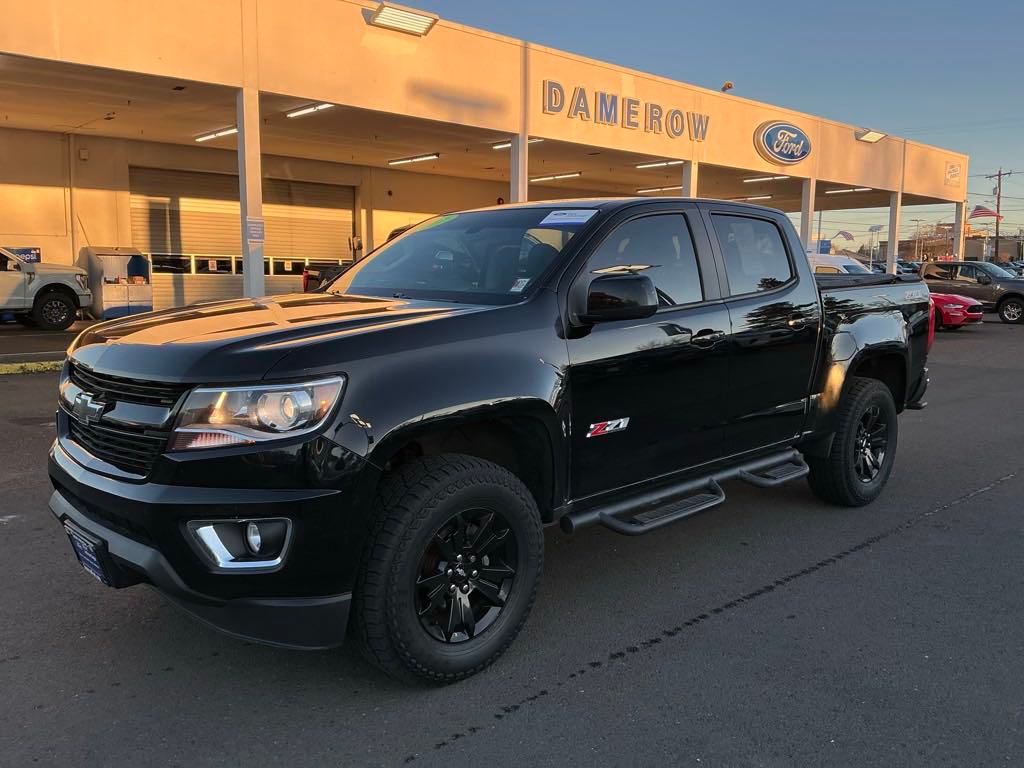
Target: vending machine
x: 120, y: 281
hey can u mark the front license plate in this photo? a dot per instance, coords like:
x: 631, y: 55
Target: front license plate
x: 89, y: 550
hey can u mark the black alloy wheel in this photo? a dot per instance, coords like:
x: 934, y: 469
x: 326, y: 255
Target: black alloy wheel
x: 450, y: 569
x: 862, y: 451
x: 872, y: 441
x: 466, y: 575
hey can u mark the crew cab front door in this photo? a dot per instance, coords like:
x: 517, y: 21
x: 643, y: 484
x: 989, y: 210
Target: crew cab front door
x: 649, y: 396
x: 12, y: 283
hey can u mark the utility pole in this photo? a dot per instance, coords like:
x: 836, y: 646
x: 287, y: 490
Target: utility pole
x: 999, y: 203
x: 917, y: 238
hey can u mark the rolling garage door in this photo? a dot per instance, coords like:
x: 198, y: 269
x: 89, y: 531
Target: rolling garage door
x: 191, y: 218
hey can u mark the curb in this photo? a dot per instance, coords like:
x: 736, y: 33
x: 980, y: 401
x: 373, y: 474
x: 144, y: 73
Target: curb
x: 28, y: 366
x: 33, y: 357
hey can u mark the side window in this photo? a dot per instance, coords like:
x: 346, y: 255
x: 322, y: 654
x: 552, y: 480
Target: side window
x: 939, y: 271
x: 755, y: 256
x: 968, y: 273
x: 660, y: 247
x: 823, y: 270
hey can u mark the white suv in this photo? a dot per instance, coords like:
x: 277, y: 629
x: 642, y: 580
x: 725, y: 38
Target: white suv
x: 47, y: 295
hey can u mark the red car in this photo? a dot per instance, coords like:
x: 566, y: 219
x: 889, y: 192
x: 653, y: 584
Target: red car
x: 953, y: 311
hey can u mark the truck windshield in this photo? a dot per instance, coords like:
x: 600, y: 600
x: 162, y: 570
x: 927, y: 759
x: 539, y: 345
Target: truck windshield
x: 993, y: 270
x: 488, y: 257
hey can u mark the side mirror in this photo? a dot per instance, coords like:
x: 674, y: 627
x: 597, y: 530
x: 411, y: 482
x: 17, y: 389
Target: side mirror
x: 620, y: 297
x: 984, y: 279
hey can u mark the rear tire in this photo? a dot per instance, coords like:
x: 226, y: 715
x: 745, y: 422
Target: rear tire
x: 863, y: 449
x: 451, y: 569
x: 1011, y: 310
x: 54, y: 311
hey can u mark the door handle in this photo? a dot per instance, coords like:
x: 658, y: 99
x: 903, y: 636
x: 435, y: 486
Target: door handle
x: 797, y: 322
x: 707, y: 338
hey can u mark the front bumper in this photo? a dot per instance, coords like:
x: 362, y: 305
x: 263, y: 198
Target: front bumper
x: 303, y: 605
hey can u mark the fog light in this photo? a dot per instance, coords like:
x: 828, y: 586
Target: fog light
x: 253, y: 539
x: 242, y: 545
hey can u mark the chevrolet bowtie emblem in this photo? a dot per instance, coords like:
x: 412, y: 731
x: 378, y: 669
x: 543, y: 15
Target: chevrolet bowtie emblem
x: 86, y: 409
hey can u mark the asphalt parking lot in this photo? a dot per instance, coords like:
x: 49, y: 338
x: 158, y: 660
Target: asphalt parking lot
x: 773, y: 631
x: 18, y: 343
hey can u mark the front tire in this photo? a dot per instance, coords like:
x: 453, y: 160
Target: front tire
x: 451, y: 570
x: 54, y: 311
x: 863, y: 449
x: 1011, y: 310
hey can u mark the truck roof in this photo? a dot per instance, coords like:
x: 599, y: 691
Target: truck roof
x: 612, y: 203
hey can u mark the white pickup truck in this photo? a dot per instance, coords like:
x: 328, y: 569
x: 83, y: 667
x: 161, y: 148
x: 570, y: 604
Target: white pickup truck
x: 46, y: 295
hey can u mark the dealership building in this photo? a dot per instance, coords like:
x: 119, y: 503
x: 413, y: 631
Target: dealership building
x: 235, y: 143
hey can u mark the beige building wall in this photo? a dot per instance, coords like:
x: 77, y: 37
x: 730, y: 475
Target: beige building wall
x: 53, y: 198
x: 325, y: 50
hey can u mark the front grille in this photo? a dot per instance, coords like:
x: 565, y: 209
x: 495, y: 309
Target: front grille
x: 132, y: 452
x: 975, y: 309
x: 118, y: 389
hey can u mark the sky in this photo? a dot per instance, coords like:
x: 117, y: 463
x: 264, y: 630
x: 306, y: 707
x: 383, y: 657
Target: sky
x: 941, y: 72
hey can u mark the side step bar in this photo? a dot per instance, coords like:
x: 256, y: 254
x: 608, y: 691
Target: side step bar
x: 777, y: 475
x: 655, y: 509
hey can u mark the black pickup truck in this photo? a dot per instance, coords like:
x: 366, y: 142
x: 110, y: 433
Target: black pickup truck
x: 380, y: 459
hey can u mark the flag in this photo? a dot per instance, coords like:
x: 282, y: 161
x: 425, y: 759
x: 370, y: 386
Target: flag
x: 981, y: 212
x: 875, y: 228
x: 843, y: 234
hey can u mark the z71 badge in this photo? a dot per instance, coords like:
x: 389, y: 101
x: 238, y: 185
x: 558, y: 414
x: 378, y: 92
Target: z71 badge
x: 607, y: 427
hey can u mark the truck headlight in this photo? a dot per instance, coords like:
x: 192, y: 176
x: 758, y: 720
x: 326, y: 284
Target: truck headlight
x: 220, y: 417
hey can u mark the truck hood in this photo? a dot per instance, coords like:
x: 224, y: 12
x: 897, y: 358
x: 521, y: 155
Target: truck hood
x: 45, y: 268
x: 241, y: 340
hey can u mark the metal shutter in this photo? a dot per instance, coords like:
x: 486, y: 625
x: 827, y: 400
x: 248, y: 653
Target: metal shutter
x: 184, y: 212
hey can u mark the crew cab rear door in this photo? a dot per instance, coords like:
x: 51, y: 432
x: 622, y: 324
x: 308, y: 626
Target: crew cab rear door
x: 775, y: 312
x: 649, y: 396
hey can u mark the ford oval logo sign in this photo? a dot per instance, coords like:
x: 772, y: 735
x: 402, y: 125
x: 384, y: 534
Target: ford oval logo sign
x: 782, y: 143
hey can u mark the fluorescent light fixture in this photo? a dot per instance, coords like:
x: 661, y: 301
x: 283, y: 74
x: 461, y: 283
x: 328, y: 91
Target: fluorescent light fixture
x: 758, y: 197
x: 659, y: 164
x: 847, y: 190
x: 871, y: 137
x: 558, y: 176
x: 416, y: 159
x: 217, y: 134
x: 403, y: 19
x: 309, y: 110
x: 758, y: 179
x: 659, y: 189
x: 508, y: 144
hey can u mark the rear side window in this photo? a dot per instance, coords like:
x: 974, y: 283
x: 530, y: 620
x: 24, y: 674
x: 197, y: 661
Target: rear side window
x: 658, y: 246
x: 755, y: 256
x: 939, y: 271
